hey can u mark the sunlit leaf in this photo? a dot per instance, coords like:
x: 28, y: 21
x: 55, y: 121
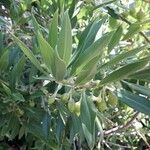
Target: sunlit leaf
x: 53, y: 30
x: 125, y: 71
x: 87, y: 72
x: 64, y: 43
x: 58, y: 67
x: 46, y: 51
x: 120, y: 57
x: 87, y: 37
x: 94, y: 50
x: 133, y: 29
x: 115, y: 38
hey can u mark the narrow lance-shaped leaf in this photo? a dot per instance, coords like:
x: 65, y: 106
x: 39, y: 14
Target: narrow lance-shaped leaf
x: 64, y: 43
x: 46, y: 51
x: 124, y: 71
x: 138, y: 103
x: 94, y: 50
x: 53, y: 30
x: 28, y: 53
x: 87, y: 37
x: 88, y: 115
x: 133, y: 29
x: 142, y: 89
x: 4, y: 60
x: 121, y: 57
x: 87, y: 72
x: 36, y: 26
x: 141, y: 75
x: 115, y: 38
x: 58, y: 67
x: 46, y: 121
x: 17, y: 70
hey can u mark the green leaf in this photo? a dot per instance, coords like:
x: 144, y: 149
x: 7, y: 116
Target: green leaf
x: 88, y: 72
x: 58, y: 67
x: 75, y: 127
x: 84, y: 112
x: 88, y: 116
x: 94, y: 50
x: 125, y: 71
x: 46, y: 121
x: 36, y: 26
x: 88, y: 136
x: 6, y: 89
x: 115, y: 38
x: 64, y: 44
x: 138, y: 103
x: 18, y: 97
x: 17, y: 70
x: 53, y: 30
x: 46, y: 51
x: 28, y: 53
x: 4, y: 60
x: 13, y: 125
x: 133, y: 29
x: 141, y: 75
x: 121, y: 57
x: 87, y: 37
x: 139, y: 88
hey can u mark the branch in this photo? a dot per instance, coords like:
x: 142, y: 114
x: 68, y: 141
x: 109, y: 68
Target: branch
x: 129, y: 23
x: 103, y: 4
x: 122, y: 127
x: 117, y: 145
x: 112, y: 13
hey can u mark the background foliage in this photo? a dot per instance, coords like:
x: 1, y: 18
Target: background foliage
x: 74, y: 74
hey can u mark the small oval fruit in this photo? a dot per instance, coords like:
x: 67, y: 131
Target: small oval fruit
x: 51, y: 100
x: 112, y: 99
x: 140, y: 15
x: 31, y: 103
x: 77, y: 108
x: 101, y: 105
x: 125, y: 14
x: 65, y: 97
x: 19, y: 112
x: 71, y: 105
x: 132, y: 12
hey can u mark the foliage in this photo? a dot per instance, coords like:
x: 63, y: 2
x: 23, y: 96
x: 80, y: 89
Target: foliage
x: 73, y: 74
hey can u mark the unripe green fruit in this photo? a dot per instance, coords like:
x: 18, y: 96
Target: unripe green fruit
x: 71, y: 105
x: 140, y: 15
x: 77, y: 108
x: 112, y: 100
x: 125, y: 14
x: 101, y: 105
x: 65, y: 97
x: 132, y: 12
x: 51, y: 100
x: 19, y: 112
x: 31, y: 103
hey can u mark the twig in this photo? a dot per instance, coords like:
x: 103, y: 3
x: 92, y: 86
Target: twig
x: 117, y: 145
x: 145, y: 141
x: 122, y: 127
x: 129, y: 23
x: 103, y: 4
